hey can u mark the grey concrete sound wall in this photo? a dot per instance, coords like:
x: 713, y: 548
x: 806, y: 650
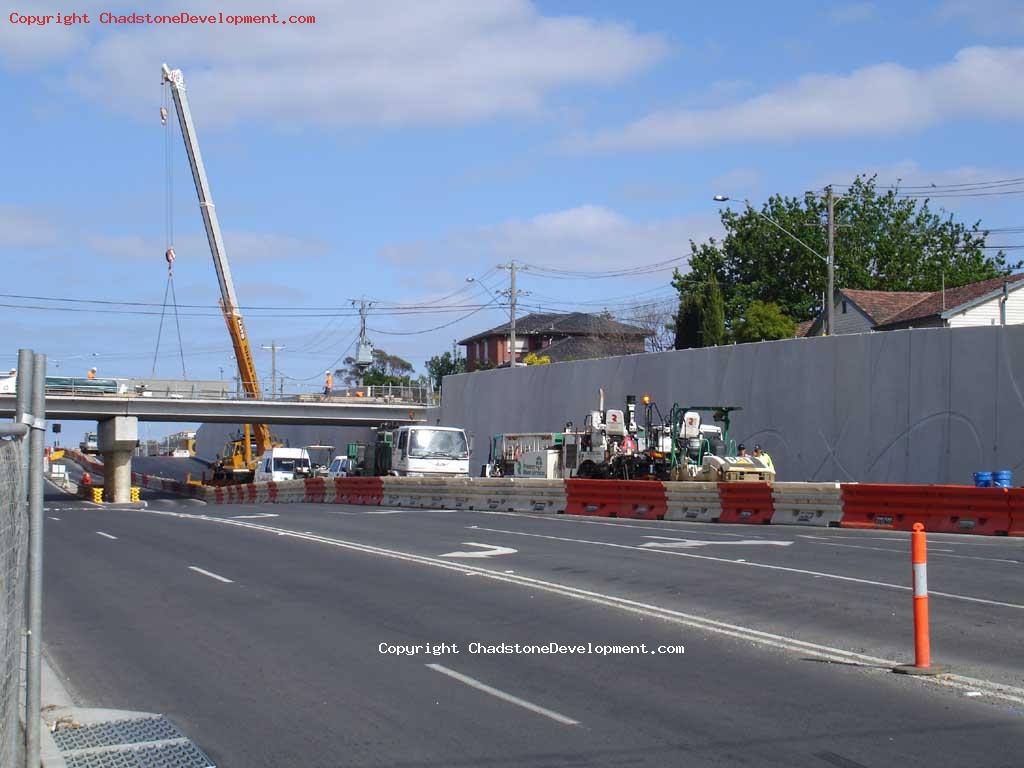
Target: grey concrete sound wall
x: 915, y: 406
x: 210, y: 438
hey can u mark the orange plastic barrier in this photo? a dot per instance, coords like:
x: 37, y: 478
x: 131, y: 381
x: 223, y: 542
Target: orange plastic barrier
x: 316, y: 488
x: 940, y: 508
x: 639, y: 499
x: 358, y: 490
x: 1015, y: 499
x: 746, y: 502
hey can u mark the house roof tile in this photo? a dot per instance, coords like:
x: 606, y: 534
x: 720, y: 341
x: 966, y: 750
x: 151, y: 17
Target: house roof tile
x: 882, y: 305
x: 563, y: 324
x: 935, y: 303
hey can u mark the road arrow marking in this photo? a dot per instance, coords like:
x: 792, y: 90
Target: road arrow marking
x: 667, y: 542
x: 491, y: 551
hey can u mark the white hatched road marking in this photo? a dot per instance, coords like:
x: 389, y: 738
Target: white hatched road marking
x: 107, y: 535
x: 498, y: 694
x: 212, y: 575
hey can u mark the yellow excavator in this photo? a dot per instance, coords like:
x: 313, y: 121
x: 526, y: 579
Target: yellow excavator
x: 241, y: 454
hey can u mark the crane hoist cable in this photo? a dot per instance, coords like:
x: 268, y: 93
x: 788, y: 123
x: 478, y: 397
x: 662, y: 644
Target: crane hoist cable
x: 169, y: 255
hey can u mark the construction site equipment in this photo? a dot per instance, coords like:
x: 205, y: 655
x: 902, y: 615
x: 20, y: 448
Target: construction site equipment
x: 613, y: 445
x: 233, y: 467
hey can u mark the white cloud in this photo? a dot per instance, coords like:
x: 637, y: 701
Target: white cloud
x: 588, y: 237
x: 979, y: 82
x: 22, y: 228
x: 989, y: 17
x: 390, y: 62
x: 852, y: 13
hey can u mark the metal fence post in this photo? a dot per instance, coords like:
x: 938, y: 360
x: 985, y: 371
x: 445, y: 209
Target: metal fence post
x: 22, y: 404
x: 33, y: 664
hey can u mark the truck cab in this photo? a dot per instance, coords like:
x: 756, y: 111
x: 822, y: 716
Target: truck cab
x: 422, y: 451
x: 280, y: 464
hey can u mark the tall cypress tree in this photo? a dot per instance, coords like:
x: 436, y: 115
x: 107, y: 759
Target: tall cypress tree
x: 712, y: 315
x: 688, y: 321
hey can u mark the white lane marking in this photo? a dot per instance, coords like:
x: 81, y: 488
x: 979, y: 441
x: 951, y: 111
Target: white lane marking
x: 931, y: 551
x: 107, y: 535
x: 254, y: 517
x: 816, y: 574
x: 667, y: 542
x: 652, y: 525
x: 197, y: 569
x: 55, y: 518
x: 490, y: 550
x: 472, y: 682
x: 960, y: 682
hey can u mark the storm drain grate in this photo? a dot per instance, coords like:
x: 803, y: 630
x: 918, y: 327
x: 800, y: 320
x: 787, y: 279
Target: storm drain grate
x: 116, y: 732
x: 186, y: 755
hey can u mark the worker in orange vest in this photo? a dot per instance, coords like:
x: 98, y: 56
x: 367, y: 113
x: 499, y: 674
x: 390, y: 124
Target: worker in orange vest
x: 91, y: 374
x: 328, y: 383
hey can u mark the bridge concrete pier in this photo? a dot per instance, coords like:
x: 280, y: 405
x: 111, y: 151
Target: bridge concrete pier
x: 118, y: 437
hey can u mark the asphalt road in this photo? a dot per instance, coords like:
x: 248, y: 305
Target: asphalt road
x: 260, y: 636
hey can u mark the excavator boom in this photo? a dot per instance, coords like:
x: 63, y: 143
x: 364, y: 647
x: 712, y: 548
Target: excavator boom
x: 228, y: 300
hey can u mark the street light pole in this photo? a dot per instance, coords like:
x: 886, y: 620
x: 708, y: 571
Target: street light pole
x: 830, y: 201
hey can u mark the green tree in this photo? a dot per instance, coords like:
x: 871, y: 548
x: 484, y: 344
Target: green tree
x: 763, y: 321
x: 884, y: 241
x: 385, y: 369
x: 443, y: 365
x: 687, y: 323
x: 712, y: 314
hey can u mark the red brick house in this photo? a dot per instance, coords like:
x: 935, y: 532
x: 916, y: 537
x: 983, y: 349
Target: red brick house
x: 572, y: 336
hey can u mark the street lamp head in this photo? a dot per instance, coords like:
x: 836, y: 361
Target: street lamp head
x: 470, y: 279
x: 720, y: 198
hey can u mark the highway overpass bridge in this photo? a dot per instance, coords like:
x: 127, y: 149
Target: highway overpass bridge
x: 118, y: 416
x: 349, y: 413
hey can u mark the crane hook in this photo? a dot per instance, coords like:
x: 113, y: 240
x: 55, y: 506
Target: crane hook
x: 170, y: 259
x: 163, y: 115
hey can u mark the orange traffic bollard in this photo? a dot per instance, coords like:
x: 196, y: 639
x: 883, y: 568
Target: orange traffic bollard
x: 922, y: 641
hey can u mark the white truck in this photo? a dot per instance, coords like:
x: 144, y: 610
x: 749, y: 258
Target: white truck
x: 419, y: 451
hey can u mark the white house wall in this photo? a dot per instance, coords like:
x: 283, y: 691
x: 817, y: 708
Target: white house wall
x: 988, y: 313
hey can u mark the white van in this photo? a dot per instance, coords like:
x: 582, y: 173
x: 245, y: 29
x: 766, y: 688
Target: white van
x: 279, y: 464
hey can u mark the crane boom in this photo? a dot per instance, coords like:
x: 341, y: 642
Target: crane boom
x: 228, y: 300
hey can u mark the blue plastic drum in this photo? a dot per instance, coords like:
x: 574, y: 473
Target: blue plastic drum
x: 982, y: 479
x: 1003, y: 479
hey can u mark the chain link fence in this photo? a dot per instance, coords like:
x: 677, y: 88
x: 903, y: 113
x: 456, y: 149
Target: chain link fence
x: 13, y: 553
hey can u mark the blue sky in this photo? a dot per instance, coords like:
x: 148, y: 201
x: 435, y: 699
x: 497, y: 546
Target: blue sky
x: 393, y: 149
